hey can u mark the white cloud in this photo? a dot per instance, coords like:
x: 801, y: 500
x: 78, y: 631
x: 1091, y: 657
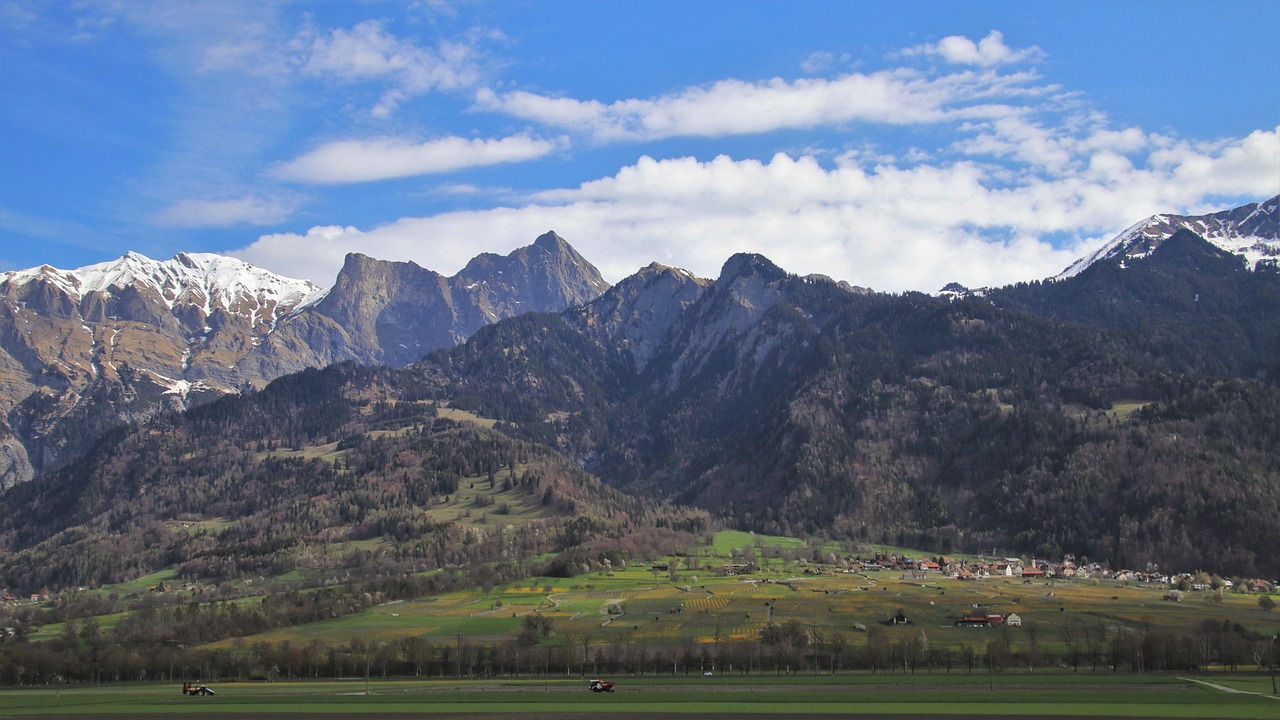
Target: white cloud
x: 247, y: 210
x: 887, y: 227
x: 822, y: 61
x: 1023, y: 140
x: 349, y: 161
x: 987, y: 52
x: 735, y: 107
x: 368, y: 52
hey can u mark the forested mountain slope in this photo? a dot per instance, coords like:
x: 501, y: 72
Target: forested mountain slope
x: 1188, y: 305
x: 774, y: 402
x: 791, y: 405
x: 291, y: 476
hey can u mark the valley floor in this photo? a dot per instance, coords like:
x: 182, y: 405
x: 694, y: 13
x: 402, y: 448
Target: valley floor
x: 1063, y: 696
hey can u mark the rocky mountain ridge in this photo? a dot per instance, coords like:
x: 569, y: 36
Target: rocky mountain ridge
x: 136, y: 336
x: 789, y: 404
x: 82, y: 351
x: 1250, y: 231
x: 775, y: 403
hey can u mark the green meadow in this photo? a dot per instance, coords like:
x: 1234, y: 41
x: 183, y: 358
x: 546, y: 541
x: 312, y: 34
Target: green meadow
x: 1044, y: 695
x: 686, y: 600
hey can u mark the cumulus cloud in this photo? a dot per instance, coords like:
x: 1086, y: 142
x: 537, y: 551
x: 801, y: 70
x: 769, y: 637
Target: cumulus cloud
x: 368, y: 52
x: 987, y: 52
x: 349, y: 161
x: 889, y: 227
x: 247, y: 210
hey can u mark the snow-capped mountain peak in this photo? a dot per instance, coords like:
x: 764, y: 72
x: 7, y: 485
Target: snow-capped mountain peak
x: 205, y: 280
x: 1251, y: 231
x: 200, y: 278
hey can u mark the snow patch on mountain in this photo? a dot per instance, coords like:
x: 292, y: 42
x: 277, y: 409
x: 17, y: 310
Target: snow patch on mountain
x: 205, y: 280
x: 178, y: 386
x: 1251, y: 231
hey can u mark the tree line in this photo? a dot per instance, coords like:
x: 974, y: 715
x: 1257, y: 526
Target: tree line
x: 84, y: 652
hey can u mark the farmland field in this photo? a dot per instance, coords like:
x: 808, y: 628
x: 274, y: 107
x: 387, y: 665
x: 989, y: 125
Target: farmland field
x: 645, y: 607
x: 795, y: 617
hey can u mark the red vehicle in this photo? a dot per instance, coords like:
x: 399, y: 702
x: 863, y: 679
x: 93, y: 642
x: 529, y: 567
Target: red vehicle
x: 601, y: 686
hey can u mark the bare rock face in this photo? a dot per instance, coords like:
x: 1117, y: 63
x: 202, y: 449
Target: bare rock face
x: 637, y: 313
x: 15, y: 466
x: 392, y: 313
x: 86, y: 349
x: 547, y: 275
x: 727, y: 315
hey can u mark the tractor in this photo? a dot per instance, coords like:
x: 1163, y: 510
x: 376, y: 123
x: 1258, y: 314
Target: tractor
x: 193, y: 689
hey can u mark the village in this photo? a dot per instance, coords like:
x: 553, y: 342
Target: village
x: 926, y: 569
x: 921, y: 568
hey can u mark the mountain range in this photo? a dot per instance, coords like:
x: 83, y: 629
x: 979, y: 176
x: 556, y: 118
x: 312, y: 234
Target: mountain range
x: 87, y: 349
x: 1126, y: 410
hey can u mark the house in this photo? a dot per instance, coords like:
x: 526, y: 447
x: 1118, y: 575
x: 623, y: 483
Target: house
x: 1032, y: 572
x: 973, y: 620
x: 1013, y: 620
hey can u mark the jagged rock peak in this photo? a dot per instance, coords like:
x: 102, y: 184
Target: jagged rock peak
x: 638, y: 312
x: 650, y: 276
x: 655, y: 269
x: 550, y: 263
x: 550, y: 240
x: 356, y: 265
x: 750, y: 264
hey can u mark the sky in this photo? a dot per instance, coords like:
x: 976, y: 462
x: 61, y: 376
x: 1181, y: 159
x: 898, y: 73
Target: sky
x: 894, y: 145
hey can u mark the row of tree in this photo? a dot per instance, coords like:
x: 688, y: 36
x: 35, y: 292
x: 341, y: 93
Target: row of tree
x: 85, y: 653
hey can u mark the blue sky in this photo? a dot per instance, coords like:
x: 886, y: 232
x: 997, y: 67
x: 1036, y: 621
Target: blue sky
x: 897, y: 146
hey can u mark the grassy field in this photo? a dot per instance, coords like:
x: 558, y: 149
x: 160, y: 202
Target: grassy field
x: 686, y: 601
x: 1122, y: 409
x: 651, y: 607
x: 449, y: 413
x: 475, y: 504
x: 1043, y: 695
